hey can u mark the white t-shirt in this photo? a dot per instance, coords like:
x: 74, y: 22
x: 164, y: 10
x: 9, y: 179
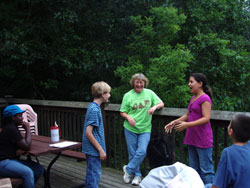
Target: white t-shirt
x: 177, y: 175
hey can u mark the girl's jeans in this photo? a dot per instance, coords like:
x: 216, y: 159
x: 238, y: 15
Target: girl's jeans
x: 29, y: 171
x: 137, y: 149
x: 93, y: 171
x: 201, y: 160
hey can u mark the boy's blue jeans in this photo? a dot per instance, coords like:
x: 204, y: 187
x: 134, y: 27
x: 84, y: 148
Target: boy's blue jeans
x: 93, y: 171
x: 29, y: 171
x: 137, y: 149
x: 201, y: 160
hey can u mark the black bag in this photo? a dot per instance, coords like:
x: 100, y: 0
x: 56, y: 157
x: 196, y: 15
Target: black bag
x: 160, y: 151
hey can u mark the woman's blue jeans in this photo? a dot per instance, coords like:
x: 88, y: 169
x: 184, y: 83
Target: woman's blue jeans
x: 29, y: 171
x: 201, y: 160
x: 93, y: 171
x: 137, y: 149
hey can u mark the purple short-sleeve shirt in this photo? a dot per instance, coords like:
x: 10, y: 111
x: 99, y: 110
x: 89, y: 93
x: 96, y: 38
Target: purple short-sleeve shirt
x: 200, y: 136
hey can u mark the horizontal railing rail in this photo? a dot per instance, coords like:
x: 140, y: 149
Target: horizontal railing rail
x: 70, y: 115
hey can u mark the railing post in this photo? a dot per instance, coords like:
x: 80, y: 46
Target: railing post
x: 216, y: 148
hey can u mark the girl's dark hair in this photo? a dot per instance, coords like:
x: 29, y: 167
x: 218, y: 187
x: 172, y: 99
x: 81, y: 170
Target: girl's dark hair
x: 199, y: 77
x: 160, y: 151
x: 241, y: 127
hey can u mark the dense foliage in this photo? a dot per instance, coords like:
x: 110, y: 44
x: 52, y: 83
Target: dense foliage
x: 57, y: 49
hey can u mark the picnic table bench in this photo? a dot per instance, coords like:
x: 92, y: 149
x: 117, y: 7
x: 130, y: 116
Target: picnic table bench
x: 79, y: 156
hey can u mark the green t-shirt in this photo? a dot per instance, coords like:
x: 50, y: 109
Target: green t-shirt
x: 136, y: 105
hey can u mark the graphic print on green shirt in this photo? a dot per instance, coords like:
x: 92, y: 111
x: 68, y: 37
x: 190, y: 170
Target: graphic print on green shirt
x: 140, y: 105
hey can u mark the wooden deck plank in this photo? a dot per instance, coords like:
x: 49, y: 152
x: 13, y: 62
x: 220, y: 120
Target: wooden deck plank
x: 67, y: 172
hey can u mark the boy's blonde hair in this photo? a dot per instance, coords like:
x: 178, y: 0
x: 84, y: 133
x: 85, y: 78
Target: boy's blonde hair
x: 139, y: 76
x: 99, y: 88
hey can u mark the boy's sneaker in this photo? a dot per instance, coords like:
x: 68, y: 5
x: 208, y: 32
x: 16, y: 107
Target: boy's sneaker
x: 127, y: 177
x: 136, y: 180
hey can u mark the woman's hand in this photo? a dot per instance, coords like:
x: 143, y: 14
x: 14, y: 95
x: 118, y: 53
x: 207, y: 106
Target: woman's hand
x: 181, y: 126
x: 131, y: 121
x: 152, y: 110
x: 169, y: 127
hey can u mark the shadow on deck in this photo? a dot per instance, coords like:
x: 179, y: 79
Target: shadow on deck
x: 68, y: 173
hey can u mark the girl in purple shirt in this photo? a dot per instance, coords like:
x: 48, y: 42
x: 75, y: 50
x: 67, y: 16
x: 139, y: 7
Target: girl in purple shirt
x: 196, y: 122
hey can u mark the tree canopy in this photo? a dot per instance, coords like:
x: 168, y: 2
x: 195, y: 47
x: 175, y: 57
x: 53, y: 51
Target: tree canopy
x: 58, y: 49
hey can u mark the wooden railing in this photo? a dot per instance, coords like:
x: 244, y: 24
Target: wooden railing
x: 70, y: 117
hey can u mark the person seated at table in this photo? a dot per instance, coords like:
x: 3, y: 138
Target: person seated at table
x: 234, y: 166
x: 10, y: 141
x: 93, y: 140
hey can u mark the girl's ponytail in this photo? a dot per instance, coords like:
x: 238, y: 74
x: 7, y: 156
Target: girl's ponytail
x: 208, y: 91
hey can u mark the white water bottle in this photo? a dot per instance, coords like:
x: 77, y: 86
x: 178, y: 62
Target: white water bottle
x: 54, y: 133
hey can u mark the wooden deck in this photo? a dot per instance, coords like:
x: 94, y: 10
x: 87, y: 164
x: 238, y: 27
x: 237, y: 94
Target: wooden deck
x: 68, y: 173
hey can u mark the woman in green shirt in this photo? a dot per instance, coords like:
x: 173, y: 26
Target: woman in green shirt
x: 137, y: 108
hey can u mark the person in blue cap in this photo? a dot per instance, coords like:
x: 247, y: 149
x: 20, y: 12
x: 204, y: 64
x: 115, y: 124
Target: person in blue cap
x: 10, y: 141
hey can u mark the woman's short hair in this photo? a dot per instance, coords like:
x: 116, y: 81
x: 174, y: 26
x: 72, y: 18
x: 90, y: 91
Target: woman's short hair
x: 139, y: 76
x: 99, y: 88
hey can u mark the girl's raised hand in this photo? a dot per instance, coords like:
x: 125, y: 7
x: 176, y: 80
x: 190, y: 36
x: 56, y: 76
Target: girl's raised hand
x: 181, y: 126
x: 169, y: 127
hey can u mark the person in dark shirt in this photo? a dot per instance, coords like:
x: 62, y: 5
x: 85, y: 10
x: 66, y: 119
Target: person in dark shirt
x: 11, y: 141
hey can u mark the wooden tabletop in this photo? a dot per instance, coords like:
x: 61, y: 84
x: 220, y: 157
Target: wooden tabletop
x: 41, y: 145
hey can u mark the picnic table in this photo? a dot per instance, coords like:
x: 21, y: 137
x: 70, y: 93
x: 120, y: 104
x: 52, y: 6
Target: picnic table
x: 42, y: 145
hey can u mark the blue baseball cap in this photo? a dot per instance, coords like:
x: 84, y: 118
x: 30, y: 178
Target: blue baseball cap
x: 12, y: 110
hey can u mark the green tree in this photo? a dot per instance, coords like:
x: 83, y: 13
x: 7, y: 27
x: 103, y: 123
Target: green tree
x: 150, y: 52
x: 167, y: 74
x: 217, y: 35
x: 59, y: 48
